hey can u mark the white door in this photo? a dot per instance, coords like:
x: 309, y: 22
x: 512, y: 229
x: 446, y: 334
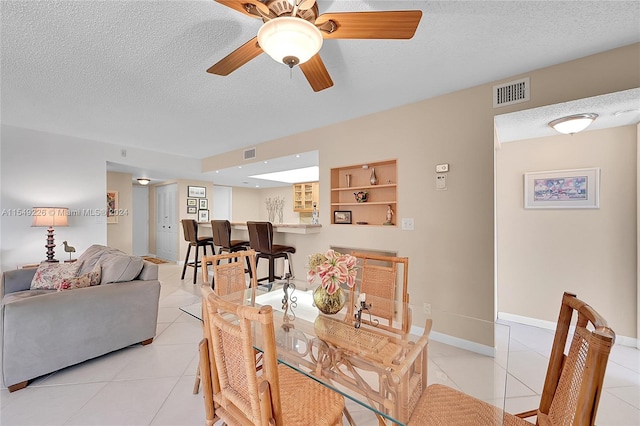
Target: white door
x: 140, y: 218
x: 221, y: 202
x: 167, y: 222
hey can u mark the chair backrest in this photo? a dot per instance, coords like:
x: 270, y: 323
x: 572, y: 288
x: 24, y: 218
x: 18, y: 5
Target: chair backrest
x: 574, y: 380
x: 379, y: 278
x: 190, y: 230
x: 229, y: 277
x: 221, y: 233
x: 261, y: 236
x: 240, y: 395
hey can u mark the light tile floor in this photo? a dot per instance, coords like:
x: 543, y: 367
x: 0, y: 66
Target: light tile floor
x: 152, y: 385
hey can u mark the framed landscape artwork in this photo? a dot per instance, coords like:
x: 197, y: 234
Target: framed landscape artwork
x: 196, y: 191
x: 562, y: 189
x: 342, y: 216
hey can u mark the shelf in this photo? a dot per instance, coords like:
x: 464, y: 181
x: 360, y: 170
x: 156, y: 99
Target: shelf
x: 368, y: 203
x: 388, y: 185
x: 357, y: 177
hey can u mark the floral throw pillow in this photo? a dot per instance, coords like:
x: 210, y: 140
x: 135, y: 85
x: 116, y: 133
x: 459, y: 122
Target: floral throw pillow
x: 50, y: 274
x: 91, y: 278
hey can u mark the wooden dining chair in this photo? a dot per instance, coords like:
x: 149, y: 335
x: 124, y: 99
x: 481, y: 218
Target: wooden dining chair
x: 571, y: 390
x: 236, y: 393
x: 229, y: 278
x: 379, y: 278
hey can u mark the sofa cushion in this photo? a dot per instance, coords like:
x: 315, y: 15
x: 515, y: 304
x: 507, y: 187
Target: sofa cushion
x: 50, y: 274
x: 90, y: 257
x: 85, y: 280
x: 119, y: 267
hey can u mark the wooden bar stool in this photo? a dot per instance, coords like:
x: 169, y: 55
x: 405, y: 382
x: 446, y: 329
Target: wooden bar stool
x: 222, y: 237
x: 190, y: 228
x: 261, y: 240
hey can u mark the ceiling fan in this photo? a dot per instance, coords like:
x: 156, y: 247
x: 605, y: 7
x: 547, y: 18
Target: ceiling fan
x: 293, y: 30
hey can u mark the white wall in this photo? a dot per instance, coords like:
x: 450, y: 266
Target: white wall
x: 589, y: 252
x: 43, y: 168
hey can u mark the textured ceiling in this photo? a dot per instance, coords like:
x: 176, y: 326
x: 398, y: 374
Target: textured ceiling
x: 133, y: 72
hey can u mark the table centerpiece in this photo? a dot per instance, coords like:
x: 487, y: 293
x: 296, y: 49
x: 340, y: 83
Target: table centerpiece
x: 334, y: 269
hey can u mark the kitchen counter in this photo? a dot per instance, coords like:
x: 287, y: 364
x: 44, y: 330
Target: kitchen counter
x: 288, y: 228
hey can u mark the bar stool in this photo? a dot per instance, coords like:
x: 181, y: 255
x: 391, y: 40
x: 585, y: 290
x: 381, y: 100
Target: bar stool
x: 190, y: 228
x: 261, y: 240
x: 222, y: 237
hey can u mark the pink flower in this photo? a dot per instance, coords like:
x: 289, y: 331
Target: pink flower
x: 333, y: 269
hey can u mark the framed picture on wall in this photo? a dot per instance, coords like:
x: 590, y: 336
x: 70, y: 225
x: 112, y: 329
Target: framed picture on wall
x: 196, y: 191
x: 192, y: 202
x: 342, y: 216
x: 203, y: 215
x: 204, y: 204
x: 192, y: 210
x: 112, y: 206
x: 562, y: 189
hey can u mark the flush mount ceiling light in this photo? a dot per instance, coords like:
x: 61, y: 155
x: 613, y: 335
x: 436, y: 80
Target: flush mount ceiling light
x: 573, y: 123
x: 144, y: 181
x: 290, y: 40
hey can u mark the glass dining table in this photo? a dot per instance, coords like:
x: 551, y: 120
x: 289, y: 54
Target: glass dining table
x: 378, y: 364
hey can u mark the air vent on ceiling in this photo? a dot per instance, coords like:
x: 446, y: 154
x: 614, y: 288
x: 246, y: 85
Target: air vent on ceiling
x: 249, y: 154
x: 511, y: 93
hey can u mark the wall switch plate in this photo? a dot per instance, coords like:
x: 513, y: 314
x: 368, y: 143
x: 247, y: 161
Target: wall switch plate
x: 442, y: 168
x: 441, y: 182
x: 427, y: 308
x: 407, y: 224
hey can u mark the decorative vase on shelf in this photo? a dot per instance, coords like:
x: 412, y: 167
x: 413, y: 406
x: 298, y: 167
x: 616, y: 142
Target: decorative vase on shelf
x: 361, y: 196
x: 329, y: 303
x: 373, y: 180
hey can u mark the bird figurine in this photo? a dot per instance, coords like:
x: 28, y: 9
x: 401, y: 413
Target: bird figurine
x: 69, y: 249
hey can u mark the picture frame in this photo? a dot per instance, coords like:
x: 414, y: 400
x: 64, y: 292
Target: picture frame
x: 192, y: 210
x: 112, y: 206
x: 192, y: 202
x: 204, y: 204
x: 342, y: 216
x: 562, y: 189
x: 203, y: 215
x: 196, y: 191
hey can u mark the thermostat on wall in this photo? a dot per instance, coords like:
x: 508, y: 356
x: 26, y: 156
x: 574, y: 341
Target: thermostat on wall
x: 442, y: 168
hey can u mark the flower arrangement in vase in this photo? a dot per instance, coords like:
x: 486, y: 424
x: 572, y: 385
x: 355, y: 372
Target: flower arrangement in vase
x: 334, y: 269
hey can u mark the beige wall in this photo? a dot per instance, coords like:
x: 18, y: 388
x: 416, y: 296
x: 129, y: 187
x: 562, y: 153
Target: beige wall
x: 452, y: 246
x: 589, y: 252
x: 120, y: 235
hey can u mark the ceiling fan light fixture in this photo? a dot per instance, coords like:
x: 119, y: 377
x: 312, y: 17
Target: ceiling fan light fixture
x: 290, y: 40
x: 573, y: 123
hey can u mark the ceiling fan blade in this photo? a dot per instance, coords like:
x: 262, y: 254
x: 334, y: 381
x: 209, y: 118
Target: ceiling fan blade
x: 316, y: 73
x: 239, y: 5
x: 237, y: 58
x: 400, y: 24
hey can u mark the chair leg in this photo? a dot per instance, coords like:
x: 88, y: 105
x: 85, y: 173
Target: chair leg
x: 186, y: 262
x: 195, y: 264
x: 272, y: 269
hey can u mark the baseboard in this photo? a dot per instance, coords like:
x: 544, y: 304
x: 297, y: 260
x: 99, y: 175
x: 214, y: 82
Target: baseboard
x: 456, y: 342
x: 550, y: 325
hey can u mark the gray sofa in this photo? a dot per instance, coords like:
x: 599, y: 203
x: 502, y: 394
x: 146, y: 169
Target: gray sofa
x: 46, y: 330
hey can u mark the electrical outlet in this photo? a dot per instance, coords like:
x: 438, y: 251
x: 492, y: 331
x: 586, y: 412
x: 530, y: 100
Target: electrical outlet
x: 427, y: 308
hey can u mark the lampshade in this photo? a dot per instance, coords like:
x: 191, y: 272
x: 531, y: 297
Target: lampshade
x: 573, y: 123
x: 144, y: 181
x: 50, y: 216
x: 290, y: 40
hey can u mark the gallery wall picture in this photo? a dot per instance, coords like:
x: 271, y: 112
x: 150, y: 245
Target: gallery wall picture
x: 562, y: 189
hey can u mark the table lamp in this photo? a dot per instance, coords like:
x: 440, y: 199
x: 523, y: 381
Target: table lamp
x: 50, y: 217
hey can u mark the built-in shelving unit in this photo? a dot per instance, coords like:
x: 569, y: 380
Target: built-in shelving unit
x: 380, y: 196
